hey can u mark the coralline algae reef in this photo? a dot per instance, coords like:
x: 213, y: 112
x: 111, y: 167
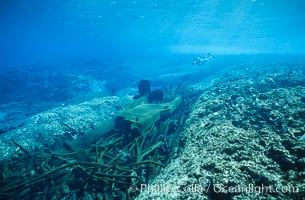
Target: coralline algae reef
x: 242, y: 140
x: 71, y: 121
x: 105, y: 163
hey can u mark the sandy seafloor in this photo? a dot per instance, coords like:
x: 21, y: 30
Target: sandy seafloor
x: 245, y: 135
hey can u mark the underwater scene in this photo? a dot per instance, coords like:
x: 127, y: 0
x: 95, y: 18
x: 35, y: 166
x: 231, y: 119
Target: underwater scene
x: 151, y: 99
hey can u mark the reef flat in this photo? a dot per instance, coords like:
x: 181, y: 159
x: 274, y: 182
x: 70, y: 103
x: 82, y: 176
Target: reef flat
x: 244, y: 139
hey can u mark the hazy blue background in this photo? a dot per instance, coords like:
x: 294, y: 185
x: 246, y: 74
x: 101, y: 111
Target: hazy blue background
x: 46, y: 30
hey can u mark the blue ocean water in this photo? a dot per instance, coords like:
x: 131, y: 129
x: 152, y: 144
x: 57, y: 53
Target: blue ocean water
x: 42, y: 43
x: 53, y: 51
x: 33, y: 31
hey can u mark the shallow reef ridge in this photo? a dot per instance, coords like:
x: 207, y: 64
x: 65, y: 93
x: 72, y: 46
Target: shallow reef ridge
x: 71, y: 121
x: 244, y: 139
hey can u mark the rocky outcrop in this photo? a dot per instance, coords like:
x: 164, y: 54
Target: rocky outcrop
x: 71, y: 121
x: 244, y: 139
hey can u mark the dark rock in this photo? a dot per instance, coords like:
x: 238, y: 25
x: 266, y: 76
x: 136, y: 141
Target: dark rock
x: 262, y: 142
x: 144, y: 87
x: 237, y: 124
x: 229, y: 150
x: 300, y: 164
x: 298, y: 150
x: 280, y: 157
x: 155, y: 96
x: 201, y: 114
x: 208, y: 166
